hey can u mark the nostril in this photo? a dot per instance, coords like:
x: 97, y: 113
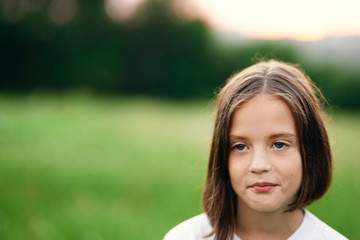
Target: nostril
x: 260, y: 165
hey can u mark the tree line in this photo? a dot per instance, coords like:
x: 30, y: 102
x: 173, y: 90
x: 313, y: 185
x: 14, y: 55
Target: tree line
x: 154, y: 53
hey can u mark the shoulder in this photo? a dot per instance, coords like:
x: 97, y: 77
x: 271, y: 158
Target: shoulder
x: 195, y: 228
x: 313, y: 228
x: 324, y: 231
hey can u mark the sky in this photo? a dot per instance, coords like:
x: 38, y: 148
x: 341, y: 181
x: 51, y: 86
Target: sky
x: 303, y: 20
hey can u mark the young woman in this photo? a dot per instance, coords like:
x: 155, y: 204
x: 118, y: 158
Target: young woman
x: 270, y: 157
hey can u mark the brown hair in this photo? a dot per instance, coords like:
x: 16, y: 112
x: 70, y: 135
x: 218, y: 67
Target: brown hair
x: 295, y: 88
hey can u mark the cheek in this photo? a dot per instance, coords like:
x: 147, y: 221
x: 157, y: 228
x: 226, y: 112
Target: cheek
x: 236, y: 172
x: 297, y: 179
x: 296, y: 173
x: 232, y: 171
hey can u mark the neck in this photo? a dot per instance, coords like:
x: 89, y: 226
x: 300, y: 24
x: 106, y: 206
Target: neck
x: 267, y: 225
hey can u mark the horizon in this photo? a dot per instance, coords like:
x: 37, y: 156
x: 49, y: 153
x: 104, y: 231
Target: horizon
x: 275, y: 20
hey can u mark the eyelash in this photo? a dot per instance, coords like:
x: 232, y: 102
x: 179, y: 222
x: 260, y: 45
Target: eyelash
x: 284, y: 145
x: 243, y: 146
x: 237, y: 145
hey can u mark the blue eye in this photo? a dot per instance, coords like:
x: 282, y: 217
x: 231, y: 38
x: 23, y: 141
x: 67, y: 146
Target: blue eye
x: 240, y: 147
x: 280, y: 145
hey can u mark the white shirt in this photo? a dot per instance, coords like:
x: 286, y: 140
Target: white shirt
x: 198, y: 227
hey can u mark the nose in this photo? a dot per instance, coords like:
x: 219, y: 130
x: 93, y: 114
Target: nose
x: 260, y: 162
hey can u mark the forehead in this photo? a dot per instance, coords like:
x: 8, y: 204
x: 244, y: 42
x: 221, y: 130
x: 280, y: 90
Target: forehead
x: 264, y: 113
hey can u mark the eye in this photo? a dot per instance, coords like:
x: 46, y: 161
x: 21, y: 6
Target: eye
x: 280, y: 145
x: 240, y: 147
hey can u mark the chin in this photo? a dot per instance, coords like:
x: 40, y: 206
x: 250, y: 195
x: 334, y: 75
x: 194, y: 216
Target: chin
x: 264, y: 207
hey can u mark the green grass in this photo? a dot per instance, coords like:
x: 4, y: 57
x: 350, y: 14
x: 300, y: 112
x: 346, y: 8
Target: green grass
x: 76, y: 166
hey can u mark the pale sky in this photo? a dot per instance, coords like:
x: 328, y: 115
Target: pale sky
x: 272, y: 19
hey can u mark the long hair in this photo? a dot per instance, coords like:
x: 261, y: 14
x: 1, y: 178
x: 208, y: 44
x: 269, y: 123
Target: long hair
x: 295, y: 88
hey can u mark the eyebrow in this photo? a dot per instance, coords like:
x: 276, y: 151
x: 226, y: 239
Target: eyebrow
x: 234, y: 138
x: 286, y: 135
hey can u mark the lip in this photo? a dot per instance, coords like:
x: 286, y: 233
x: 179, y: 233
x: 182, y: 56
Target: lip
x: 263, y: 187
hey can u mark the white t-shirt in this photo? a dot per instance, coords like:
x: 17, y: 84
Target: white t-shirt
x: 198, y: 227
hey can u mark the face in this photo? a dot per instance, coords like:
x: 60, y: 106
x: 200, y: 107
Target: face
x: 264, y: 162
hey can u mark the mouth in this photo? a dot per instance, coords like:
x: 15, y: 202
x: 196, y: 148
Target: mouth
x: 263, y: 187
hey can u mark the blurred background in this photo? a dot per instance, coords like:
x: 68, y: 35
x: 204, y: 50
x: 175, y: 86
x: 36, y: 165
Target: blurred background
x: 106, y: 108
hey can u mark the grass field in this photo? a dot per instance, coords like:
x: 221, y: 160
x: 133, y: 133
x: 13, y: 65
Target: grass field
x: 76, y: 166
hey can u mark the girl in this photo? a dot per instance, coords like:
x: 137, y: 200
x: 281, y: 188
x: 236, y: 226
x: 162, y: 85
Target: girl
x: 270, y: 157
